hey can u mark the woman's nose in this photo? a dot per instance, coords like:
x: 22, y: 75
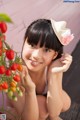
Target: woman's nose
x: 37, y: 54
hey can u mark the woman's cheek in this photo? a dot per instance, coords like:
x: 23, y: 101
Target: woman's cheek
x: 47, y: 61
x: 26, y: 53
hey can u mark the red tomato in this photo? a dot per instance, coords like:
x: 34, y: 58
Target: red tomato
x: 10, y: 54
x: 3, y: 27
x: 16, y: 78
x: 4, y: 85
x: 14, y: 66
x: 2, y: 69
x: 0, y: 87
x: 8, y: 72
x: 1, y: 44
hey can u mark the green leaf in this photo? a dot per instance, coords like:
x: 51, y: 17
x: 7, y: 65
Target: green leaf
x: 4, y: 17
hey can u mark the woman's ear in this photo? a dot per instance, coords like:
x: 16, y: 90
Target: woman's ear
x: 56, y: 54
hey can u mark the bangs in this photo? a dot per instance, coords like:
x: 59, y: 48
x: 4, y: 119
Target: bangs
x: 42, y: 33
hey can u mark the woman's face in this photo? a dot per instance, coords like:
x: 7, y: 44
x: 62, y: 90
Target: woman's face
x: 37, y: 58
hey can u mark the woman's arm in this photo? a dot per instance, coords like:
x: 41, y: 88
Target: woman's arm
x: 26, y: 106
x: 55, y: 95
x: 30, y: 110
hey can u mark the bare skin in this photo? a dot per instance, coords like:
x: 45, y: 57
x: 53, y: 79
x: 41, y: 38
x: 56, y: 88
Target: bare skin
x: 34, y: 76
x: 60, y: 100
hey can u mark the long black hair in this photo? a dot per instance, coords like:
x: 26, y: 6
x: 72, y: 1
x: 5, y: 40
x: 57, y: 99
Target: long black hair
x: 41, y: 31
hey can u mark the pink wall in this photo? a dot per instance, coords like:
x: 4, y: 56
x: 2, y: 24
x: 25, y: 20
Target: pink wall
x: 24, y: 12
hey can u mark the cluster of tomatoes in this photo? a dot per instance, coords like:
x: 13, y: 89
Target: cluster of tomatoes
x: 10, y: 66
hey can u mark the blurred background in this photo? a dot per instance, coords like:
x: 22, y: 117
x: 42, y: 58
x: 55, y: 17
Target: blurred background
x: 23, y: 12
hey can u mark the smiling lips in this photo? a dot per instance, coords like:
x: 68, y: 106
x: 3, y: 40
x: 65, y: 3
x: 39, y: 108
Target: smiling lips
x: 35, y: 63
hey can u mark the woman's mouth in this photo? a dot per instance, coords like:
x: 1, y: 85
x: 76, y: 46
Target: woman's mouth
x: 35, y: 63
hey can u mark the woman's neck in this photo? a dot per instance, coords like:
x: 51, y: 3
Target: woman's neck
x: 37, y: 76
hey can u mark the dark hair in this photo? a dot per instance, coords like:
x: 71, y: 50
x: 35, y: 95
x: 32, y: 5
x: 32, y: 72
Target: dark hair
x: 41, y: 30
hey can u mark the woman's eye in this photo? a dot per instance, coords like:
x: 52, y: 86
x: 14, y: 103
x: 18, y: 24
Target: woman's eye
x: 33, y: 45
x: 47, y: 50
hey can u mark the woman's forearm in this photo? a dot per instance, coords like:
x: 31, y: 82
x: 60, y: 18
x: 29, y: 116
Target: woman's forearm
x: 54, y: 100
x: 30, y: 111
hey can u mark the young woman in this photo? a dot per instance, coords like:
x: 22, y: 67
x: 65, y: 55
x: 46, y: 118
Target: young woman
x: 44, y: 64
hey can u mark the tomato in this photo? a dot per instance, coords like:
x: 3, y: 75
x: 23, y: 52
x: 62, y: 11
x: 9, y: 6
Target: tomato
x: 14, y: 66
x: 16, y: 78
x: 3, y: 27
x: 20, y: 93
x: 2, y: 69
x: 1, y: 44
x: 0, y: 87
x: 10, y: 54
x: 8, y: 72
x: 14, y: 98
x: 13, y: 89
x: 20, y: 68
x: 13, y: 84
x: 5, y: 85
x: 10, y: 93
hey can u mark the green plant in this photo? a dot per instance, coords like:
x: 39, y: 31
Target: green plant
x: 10, y: 64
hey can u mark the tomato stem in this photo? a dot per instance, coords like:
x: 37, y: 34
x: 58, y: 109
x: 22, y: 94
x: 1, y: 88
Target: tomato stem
x: 7, y: 45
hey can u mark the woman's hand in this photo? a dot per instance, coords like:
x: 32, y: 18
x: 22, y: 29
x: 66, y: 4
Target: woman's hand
x: 66, y: 61
x: 62, y: 64
x: 26, y: 81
